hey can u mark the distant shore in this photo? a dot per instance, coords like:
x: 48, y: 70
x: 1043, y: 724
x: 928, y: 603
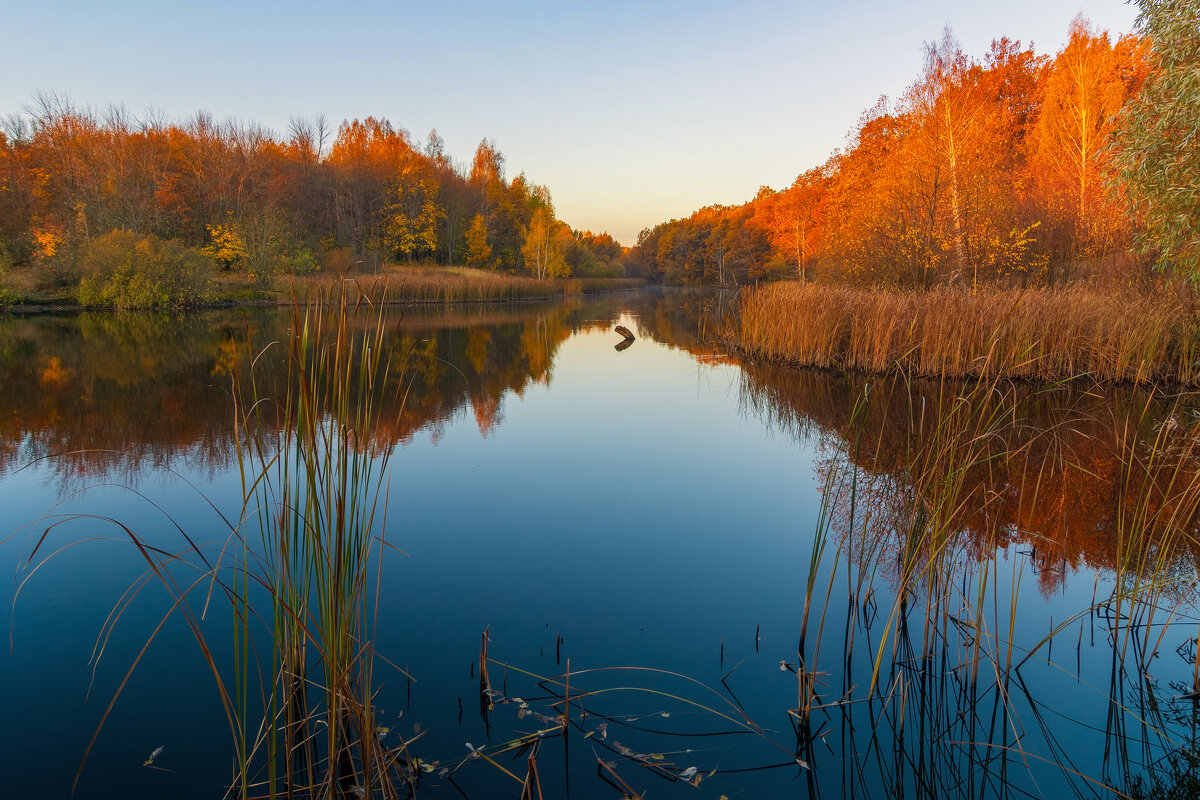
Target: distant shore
x: 402, y: 285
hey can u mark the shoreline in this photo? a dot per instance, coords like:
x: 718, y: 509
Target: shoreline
x: 34, y: 309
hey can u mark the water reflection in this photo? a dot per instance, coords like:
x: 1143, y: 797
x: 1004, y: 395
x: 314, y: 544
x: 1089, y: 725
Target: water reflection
x: 1061, y: 473
x: 109, y: 395
x: 1026, y: 484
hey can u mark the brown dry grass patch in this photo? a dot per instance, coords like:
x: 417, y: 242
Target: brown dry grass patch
x: 1108, y: 334
x: 429, y: 284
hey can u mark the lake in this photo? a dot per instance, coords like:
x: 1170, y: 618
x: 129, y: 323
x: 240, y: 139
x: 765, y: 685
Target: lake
x: 663, y: 516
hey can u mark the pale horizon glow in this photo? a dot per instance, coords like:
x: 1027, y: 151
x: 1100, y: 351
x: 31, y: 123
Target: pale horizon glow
x: 631, y: 114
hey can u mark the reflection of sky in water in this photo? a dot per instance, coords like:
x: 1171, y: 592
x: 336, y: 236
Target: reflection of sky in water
x: 628, y: 506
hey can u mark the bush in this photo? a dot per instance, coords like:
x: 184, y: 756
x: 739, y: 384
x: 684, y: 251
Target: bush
x: 339, y: 260
x: 300, y: 261
x: 123, y: 270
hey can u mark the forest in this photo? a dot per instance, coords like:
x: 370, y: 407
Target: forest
x: 1015, y: 168
x: 126, y: 210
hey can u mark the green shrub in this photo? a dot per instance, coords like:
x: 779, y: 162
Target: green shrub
x: 124, y: 270
x: 301, y: 261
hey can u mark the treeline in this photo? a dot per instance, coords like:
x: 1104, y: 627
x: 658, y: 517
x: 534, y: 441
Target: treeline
x: 255, y: 203
x: 1000, y: 169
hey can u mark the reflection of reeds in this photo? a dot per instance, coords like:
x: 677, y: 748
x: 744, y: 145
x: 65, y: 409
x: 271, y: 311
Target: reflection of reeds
x: 946, y: 665
x: 1108, y: 334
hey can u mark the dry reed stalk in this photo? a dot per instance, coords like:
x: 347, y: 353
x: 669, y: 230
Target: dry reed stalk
x: 1106, y: 333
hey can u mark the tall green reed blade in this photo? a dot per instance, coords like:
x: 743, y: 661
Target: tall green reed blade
x: 314, y: 477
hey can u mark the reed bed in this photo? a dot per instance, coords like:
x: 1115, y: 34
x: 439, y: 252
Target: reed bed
x: 464, y: 285
x: 1106, y: 334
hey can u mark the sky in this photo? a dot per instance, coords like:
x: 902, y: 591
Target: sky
x: 632, y: 113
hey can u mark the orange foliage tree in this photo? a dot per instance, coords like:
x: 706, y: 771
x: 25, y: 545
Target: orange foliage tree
x: 981, y: 171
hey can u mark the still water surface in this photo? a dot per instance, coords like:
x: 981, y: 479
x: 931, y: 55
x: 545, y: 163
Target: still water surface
x: 653, y: 507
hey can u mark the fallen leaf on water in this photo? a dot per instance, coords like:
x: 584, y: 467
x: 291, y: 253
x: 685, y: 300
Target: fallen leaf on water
x: 157, y: 752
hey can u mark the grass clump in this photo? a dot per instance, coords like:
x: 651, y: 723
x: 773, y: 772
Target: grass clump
x: 1109, y: 334
x: 314, y: 485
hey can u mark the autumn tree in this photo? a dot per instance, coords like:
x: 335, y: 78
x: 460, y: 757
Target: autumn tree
x: 479, y: 251
x: 411, y: 213
x: 226, y: 247
x: 793, y: 218
x: 1082, y: 92
x: 546, y: 239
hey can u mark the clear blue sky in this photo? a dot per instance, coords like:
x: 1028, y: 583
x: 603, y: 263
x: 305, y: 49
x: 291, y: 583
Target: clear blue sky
x: 631, y: 112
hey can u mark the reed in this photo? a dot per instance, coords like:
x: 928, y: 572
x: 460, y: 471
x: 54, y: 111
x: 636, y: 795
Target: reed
x: 300, y: 567
x: 315, y: 487
x: 1109, y: 334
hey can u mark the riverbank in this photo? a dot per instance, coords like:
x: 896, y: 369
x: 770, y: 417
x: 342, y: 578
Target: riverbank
x: 401, y: 285
x: 1106, y: 333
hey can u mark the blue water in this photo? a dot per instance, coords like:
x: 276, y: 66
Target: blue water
x: 618, y: 509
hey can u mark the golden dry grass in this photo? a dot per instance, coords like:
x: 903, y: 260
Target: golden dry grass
x: 428, y: 284
x: 1108, y: 334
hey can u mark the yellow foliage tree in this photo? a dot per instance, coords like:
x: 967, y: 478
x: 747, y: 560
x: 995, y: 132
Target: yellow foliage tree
x: 227, y: 247
x: 478, y: 249
x: 546, y: 242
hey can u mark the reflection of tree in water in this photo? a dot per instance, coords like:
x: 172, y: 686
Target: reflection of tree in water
x: 1058, y: 472
x: 113, y: 394
x: 691, y: 320
x: 117, y: 392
